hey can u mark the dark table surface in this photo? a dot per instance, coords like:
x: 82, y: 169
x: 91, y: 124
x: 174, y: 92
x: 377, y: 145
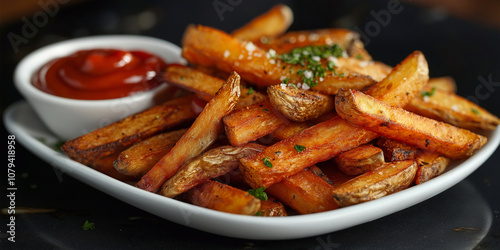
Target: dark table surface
x: 465, y: 216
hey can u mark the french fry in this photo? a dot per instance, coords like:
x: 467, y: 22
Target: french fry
x: 211, y: 164
x: 205, y: 86
x: 305, y: 192
x: 143, y: 155
x: 221, y: 197
x: 375, y: 70
x: 396, y: 123
x: 105, y: 166
x: 272, y: 207
x: 200, y: 135
x: 389, y: 178
x: 360, y: 160
x: 118, y: 136
x: 207, y: 46
x: 430, y: 165
x: 394, y: 150
x: 327, y: 139
x: 335, y: 176
x: 297, y: 104
x: 292, y: 128
x: 453, y: 109
x: 444, y: 83
x: 251, y: 123
x: 270, y: 24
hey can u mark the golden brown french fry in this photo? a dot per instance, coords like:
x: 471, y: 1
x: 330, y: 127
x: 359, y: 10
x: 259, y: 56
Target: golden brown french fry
x: 305, y: 192
x: 207, y: 46
x: 444, y: 83
x: 205, y: 85
x: 297, y: 104
x: 200, y: 135
x: 396, y: 150
x: 360, y: 160
x: 272, y: 207
x: 143, y: 155
x: 251, y: 123
x: 453, y: 109
x: 211, y: 164
x: 396, y: 123
x: 389, y: 178
x: 292, y: 128
x: 105, y: 166
x: 327, y: 139
x: 430, y: 165
x: 270, y: 24
x: 117, y: 136
x: 334, y: 174
x: 221, y: 197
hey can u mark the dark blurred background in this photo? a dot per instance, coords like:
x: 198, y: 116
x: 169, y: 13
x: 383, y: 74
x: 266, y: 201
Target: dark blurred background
x: 459, y: 39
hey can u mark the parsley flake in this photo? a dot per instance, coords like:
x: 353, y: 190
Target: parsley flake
x: 259, y: 213
x: 428, y: 93
x: 267, y: 162
x: 258, y: 193
x: 250, y: 91
x: 475, y: 111
x: 88, y: 225
x: 299, y: 148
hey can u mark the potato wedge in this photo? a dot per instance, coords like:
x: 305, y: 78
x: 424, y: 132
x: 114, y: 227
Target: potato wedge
x: 335, y: 176
x: 270, y: 24
x: 396, y: 150
x: 246, y: 125
x: 389, y: 178
x: 205, y: 86
x: 430, y: 165
x: 305, y: 192
x: 143, y: 155
x: 444, y: 83
x: 396, y: 123
x: 297, y: 104
x: 201, y: 134
x: 360, y: 160
x: 211, y: 164
x: 373, y: 69
x: 453, y: 109
x: 327, y: 139
x: 221, y: 197
x: 118, y: 136
x: 272, y: 207
x: 207, y: 46
x: 105, y: 166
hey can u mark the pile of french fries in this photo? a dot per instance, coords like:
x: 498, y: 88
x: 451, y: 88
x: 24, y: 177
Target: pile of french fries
x: 265, y: 125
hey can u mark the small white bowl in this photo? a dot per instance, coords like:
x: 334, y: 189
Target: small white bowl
x: 70, y: 118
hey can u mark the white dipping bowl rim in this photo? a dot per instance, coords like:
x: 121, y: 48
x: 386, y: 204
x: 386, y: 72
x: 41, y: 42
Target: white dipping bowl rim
x: 30, y: 64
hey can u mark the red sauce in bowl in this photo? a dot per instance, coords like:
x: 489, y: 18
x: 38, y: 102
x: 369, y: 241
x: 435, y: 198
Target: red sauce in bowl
x: 100, y: 74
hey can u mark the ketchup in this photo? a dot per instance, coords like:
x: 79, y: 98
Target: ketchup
x: 100, y: 74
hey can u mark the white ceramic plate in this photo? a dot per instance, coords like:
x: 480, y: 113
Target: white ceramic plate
x: 21, y: 121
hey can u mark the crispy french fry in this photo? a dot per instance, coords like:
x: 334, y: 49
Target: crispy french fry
x: 221, y: 197
x: 143, y: 155
x: 444, y: 83
x: 327, y: 139
x: 200, y: 135
x: 257, y: 120
x: 453, y: 109
x: 430, y: 165
x: 105, y: 166
x: 375, y: 70
x: 389, y: 178
x: 305, y: 192
x: 396, y: 150
x: 270, y: 24
x: 272, y: 207
x: 297, y: 104
x: 335, y: 176
x: 292, y: 128
x: 360, y: 160
x: 117, y: 136
x: 211, y: 164
x: 396, y: 123
x: 205, y: 85
x: 207, y: 46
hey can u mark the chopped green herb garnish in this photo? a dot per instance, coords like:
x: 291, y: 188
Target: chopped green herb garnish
x: 258, y: 193
x: 285, y: 81
x: 259, y: 213
x: 250, y: 91
x: 88, y: 225
x: 428, y: 93
x: 265, y: 110
x: 475, y: 111
x: 267, y: 162
x: 359, y: 56
x: 299, y: 148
